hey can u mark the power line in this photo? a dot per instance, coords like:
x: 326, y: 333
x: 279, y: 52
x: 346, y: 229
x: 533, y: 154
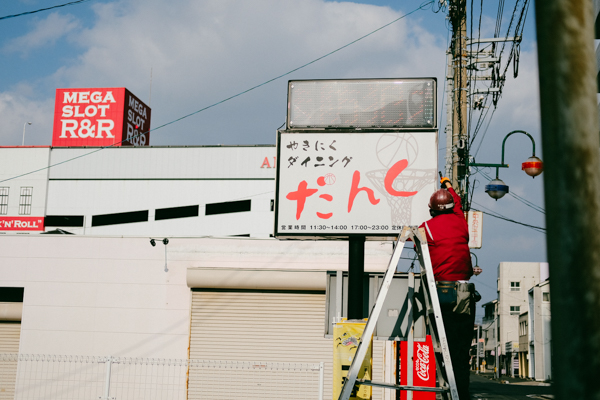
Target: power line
x: 500, y: 216
x: 421, y: 7
x: 43, y: 9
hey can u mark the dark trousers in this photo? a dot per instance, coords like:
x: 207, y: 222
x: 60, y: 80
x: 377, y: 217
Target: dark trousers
x: 459, y: 331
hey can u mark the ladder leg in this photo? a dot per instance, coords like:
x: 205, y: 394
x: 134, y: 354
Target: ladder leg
x: 365, y: 340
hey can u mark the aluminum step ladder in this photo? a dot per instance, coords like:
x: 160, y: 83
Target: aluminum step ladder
x: 433, y: 320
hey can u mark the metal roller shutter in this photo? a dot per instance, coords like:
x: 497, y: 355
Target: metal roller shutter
x: 10, y: 333
x: 378, y: 357
x: 259, y: 326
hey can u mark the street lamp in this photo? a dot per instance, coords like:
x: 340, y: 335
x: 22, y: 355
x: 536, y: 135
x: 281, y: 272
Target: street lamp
x: 476, y: 269
x: 533, y: 166
x: 24, y: 125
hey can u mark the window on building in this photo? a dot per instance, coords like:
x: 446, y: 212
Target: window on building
x: 515, y: 286
x: 523, y: 328
x: 3, y: 200
x: 25, y: 201
x: 515, y: 310
x: 546, y: 296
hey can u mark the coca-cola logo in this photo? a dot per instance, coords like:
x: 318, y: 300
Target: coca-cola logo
x: 422, y: 362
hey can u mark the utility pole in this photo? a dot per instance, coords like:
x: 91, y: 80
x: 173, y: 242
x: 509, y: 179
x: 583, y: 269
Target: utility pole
x: 458, y: 19
x: 569, y: 116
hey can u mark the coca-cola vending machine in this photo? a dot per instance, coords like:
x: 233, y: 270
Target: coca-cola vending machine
x: 423, y: 368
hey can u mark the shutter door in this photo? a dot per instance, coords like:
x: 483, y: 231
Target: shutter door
x: 259, y: 326
x: 10, y: 333
x: 378, y: 357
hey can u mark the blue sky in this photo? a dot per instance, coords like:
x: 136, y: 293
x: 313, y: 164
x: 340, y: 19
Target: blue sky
x: 200, y: 53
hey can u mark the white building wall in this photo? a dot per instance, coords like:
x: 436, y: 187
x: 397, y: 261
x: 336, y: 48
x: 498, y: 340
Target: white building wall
x: 528, y: 275
x: 541, y: 336
x: 29, y: 165
x: 205, y: 162
x: 87, y: 295
x: 93, y: 197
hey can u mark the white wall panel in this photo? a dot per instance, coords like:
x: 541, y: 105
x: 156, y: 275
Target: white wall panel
x: 164, y: 162
x: 17, y: 161
x: 111, y: 296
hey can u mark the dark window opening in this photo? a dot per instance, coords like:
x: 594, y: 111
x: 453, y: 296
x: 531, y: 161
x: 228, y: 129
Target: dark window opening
x: 64, y: 220
x: 176, y: 212
x: 227, y: 207
x: 120, y: 218
x: 11, y: 294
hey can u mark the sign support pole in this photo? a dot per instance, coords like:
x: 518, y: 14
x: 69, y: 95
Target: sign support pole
x: 356, y: 272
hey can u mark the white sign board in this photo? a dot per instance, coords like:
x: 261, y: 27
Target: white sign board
x: 475, y: 222
x: 342, y: 184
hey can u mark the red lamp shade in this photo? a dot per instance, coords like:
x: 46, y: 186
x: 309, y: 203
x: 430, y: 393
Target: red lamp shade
x: 533, y: 166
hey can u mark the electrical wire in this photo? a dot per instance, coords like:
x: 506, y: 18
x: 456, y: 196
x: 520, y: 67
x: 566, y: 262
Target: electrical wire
x: 421, y: 7
x: 43, y: 9
x: 500, y: 216
x: 484, y: 132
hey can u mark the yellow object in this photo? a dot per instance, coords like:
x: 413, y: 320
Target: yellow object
x: 444, y: 179
x: 346, y: 338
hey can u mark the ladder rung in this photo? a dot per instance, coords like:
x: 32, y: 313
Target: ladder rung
x: 401, y: 387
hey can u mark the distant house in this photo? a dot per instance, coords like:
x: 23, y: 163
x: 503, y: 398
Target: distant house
x: 540, y: 337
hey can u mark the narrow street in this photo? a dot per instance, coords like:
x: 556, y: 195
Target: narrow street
x: 483, y: 388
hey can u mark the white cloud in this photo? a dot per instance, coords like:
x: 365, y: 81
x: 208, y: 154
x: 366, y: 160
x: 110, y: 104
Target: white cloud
x: 16, y: 109
x: 45, y: 33
x: 203, y: 52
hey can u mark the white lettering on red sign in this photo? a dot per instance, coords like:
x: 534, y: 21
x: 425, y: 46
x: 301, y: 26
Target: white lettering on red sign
x: 422, y: 361
x: 86, y: 128
x: 85, y: 97
x: 21, y: 223
x: 100, y: 117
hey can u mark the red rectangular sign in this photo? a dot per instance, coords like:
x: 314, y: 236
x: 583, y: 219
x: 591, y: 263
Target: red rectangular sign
x: 21, y: 223
x: 100, y: 117
x: 423, y: 371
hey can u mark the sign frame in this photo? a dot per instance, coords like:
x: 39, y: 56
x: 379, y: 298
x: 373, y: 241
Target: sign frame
x: 433, y: 125
x: 387, y: 234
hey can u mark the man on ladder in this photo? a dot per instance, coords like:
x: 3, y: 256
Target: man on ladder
x: 448, y: 237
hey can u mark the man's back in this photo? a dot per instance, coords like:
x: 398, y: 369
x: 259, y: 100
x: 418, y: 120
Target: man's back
x: 448, y: 240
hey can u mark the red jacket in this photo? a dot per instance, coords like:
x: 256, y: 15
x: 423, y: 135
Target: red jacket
x: 448, y: 240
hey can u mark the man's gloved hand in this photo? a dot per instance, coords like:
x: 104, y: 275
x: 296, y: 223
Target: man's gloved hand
x: 443, y: 182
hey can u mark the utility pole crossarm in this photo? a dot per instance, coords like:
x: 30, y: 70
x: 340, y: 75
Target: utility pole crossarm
x: 495, y: 40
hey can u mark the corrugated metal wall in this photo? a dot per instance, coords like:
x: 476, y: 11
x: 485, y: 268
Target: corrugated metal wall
x: 10, y: 333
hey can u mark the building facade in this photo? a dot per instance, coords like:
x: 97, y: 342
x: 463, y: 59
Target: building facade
x: 489, y: 333
x: 539, y: 332
x: 514, y: 281
x: 171, y: 257
x: 523, y: 352
x: 139, y: 191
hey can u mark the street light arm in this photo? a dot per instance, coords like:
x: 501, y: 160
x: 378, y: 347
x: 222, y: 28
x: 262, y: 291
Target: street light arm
x: 518, y: 131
